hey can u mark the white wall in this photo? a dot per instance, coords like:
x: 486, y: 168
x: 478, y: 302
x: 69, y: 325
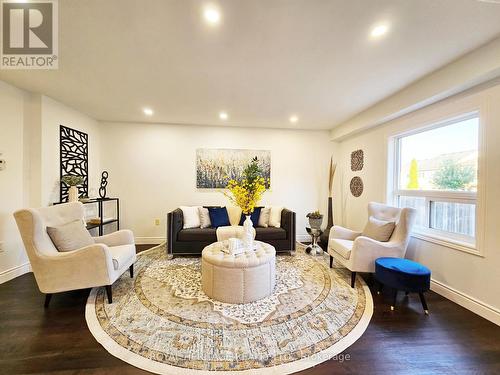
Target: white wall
x: 468, y: 279
x: 13, y: 259
x: 54, y: 114
x: 152, y: 169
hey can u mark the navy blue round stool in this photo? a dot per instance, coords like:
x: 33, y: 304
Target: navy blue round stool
x: 403, y: 274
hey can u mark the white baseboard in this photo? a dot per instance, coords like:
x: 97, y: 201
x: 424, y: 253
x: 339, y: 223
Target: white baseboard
x: 14, y: 272
x: 149, y: 240
x: 303, y: 238
x: 480, y: 308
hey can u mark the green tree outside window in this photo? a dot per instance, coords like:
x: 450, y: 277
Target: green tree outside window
x: 453, y: 176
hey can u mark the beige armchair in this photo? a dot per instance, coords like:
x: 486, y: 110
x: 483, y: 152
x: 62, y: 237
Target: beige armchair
x: 358, y: 253
x: 99, y: 264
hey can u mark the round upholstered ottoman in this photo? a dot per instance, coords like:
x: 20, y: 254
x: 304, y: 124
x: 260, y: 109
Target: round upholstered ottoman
x: 403, y: 274
x: 242, y: 278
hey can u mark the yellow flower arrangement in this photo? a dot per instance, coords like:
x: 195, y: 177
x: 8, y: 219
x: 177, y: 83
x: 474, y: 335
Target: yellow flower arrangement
x: 247, y: 192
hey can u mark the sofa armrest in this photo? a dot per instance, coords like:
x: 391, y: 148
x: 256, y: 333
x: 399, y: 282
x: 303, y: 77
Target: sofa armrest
x: 288, y: 223
x: 175, y: 222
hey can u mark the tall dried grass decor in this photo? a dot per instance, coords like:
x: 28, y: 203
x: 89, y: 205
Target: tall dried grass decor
x: 329, y: 225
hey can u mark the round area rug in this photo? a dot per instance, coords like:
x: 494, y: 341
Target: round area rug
x: 161, y: 320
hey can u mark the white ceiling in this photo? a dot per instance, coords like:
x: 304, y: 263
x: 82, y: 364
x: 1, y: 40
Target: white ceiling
x: 267, y: 60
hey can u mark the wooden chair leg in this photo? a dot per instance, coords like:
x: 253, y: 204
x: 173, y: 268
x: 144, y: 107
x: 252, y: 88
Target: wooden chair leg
x: 353, y: 279
x: 131, y: 269
x: 394, y: 298
x: 109, y: 293
x: 424, y: 303
x: 331, y: 261
x: 48, y: 297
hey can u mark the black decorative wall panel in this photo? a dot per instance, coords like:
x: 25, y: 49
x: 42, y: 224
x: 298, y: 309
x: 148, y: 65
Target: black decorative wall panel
x: 74, y: 155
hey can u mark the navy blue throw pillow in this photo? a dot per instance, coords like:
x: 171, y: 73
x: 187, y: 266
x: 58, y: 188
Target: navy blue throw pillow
x: 254, y: 216
x: 218, y: 216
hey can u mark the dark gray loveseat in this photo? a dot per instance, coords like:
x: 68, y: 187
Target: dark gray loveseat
x: 192, y: 241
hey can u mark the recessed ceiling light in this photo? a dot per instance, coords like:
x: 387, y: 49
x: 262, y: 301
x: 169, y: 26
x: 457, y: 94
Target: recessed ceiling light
x: 148, y: 111
x: 212, y: 15
x: 294, y: 119
x: 223, y: 116
x: 379, y: 30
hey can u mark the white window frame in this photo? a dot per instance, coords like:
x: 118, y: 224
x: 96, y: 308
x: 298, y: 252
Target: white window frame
x: 453, y: 240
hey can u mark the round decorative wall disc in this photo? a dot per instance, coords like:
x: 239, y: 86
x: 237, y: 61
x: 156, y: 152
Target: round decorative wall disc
x: 356, y: 186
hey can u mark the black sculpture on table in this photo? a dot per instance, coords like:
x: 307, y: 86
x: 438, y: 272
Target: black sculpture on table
x: 104, y: 183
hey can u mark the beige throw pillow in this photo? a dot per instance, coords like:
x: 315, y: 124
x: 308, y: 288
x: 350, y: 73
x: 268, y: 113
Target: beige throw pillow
x: 234, y: 214
x: 275, y: 217
x: 265, y: 213
x: 71, y: 236
x: 379, y: 230
x: 204, y: 218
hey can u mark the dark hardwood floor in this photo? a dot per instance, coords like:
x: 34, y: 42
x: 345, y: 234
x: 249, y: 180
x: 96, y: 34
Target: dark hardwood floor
x: 451, y: 340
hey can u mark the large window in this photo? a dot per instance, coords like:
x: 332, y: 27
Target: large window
x: 436, y: 173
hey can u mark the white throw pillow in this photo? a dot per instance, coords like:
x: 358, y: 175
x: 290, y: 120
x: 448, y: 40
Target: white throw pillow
x: 71, y: 236
x: 275, y: 216
x: 265, y: 213
x: 191, y: 217
x: 379, y: 230
x: 204, y: 217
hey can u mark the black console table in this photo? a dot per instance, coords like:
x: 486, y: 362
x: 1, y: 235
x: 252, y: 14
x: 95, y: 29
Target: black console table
x: 100, y: 209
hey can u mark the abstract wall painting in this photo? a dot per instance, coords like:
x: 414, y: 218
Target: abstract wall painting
x: 215, y: 167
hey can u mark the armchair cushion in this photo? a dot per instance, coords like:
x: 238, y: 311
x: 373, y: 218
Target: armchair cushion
x: 122, y: 255
x: 379, y: 230
x: 342, y: 247
x: 70, y: 236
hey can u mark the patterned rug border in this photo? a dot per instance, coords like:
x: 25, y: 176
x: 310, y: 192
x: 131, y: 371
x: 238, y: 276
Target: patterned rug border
x: 287, y: 368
